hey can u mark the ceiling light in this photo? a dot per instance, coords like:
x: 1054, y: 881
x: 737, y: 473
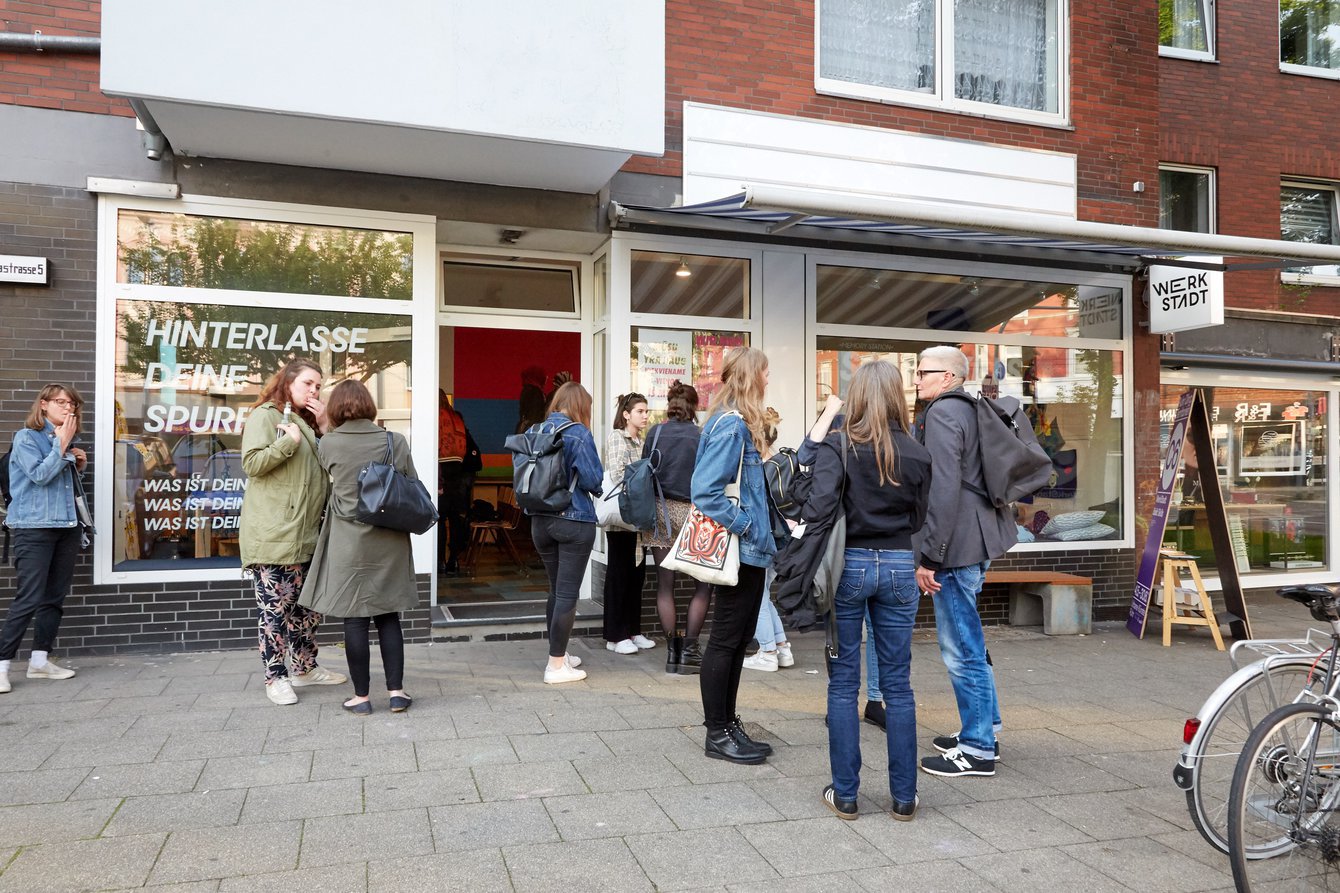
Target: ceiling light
x: 683, y: 272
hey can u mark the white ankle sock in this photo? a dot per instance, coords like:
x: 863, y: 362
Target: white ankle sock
x: 38, y: 660
x: 4, y: 666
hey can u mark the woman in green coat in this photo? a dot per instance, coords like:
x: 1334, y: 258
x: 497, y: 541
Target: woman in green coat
x: 362, y: 573
x: 281, y: 513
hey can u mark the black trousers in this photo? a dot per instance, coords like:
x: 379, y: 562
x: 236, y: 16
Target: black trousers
x: 44, y: 560
x: 564, y: 546
x: 734, y: 618
x: 453, y: 509
x: 358, y: 652
x: 623, y: 586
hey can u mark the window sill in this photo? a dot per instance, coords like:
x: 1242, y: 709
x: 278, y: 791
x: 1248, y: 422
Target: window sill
x: 933, y: 103
x: 1308, y: 71
x: 1305, y: 279
x: 1188, y: 55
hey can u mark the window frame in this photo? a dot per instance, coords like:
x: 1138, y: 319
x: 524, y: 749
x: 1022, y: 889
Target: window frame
x: 1294, y: 68
x: 1210, y: 55
x: 1291, y: 277
x: 944, y: 76
x: 1213, y: 180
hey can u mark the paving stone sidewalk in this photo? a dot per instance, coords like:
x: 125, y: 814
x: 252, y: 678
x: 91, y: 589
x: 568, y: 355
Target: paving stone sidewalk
x: 175, y: 772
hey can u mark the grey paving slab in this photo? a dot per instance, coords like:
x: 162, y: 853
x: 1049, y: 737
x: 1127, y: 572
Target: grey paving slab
x: 210, y: 886
x: 417, y: 725
x: 107, y: 687
x: 21, y: 757
x: 800, y: 731
x: 645, y: 741
x: 79, y: 865
x: 195, y: 745
x: 176, y: 812
x: 212, y: 682
x: 98, y: 729
x: 1147, y: 865
x: 831, y: 844
x: 594, y: 865
x: 688, y: 860
x: 1069, y: 775
x: 714, y: 805
x: 244, y: 712
x: 1029, y: 871
x: 929, y: 837
x: 474, y: 871
x: 700, y: 770
x: 437, y: 787
x: 559, y: 746
x: 1102, y: 816
x: 359, y: 762
x: 1014, y: 825
x: 167, y: 723
x: 819, y: 883
x: 326, y: 879
x: 923, y: 877
x: 257, y: 769
x: 617, y: 814
x: 662, y: 715
x: 476, y: 825
x: 203, y: 853
x: 303, y: 800
x: 330, y: 840
x: 130, y: 748
x: 312, y: 736
x: 130, y: 709
x: 40, y: 785
x: 629, y: 773
x: 511, y: 722
x: 520, y: 781
x: 454, y: 753
x: 803, y: 760
x: 797, y: 798
x: 48, y: 822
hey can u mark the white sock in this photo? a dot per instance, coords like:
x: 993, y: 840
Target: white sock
x: 38, y: 660
x: 4, y: 666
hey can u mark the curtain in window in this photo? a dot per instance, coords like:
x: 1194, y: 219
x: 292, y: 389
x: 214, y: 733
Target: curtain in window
x: 882, y: 44
x: 1184, y: 24
x: 1310, y: 33
x: 1005, y: 52
x: 1308, y: 215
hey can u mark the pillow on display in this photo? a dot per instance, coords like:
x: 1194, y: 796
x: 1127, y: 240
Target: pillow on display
x: 1025, y: 535
x: 1092, y: 532
x: 1071, y: 521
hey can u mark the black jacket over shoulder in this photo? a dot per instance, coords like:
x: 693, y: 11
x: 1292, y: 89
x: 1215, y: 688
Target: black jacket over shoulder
x: 879, y: 516
x: 678, y: 447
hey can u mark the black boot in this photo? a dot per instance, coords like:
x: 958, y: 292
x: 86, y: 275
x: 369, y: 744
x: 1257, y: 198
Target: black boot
x: 875, y: 713
x: 674, y: 652
x: 741, y: 737
x: 691, y: 658
x: 722, y: 745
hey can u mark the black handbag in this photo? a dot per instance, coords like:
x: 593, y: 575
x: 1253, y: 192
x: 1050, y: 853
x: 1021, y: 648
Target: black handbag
x: 387, y: 498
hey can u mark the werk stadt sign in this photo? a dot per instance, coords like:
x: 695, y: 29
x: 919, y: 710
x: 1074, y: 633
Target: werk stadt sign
x: 1182, y: 299
x: 28, y: 270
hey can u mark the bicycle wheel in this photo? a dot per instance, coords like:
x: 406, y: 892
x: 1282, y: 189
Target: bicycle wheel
x: 1280, y: 811
x: 1221, y: 742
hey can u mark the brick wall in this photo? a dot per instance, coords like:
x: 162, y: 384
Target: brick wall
x: 48, y: 80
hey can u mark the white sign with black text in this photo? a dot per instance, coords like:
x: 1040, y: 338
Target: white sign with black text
x: 1182, y: 298
x: 29, y: 270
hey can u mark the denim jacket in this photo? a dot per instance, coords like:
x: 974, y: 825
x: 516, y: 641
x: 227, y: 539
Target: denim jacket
x: 579, y: 449
x: 718, y: 458
x: 41, y: 486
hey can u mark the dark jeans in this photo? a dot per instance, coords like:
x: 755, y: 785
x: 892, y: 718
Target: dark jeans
x: 733, y: 619
x: 564, y: 546
x: 44, y: 564
x: 358, y: 652
x: 453, y: 509
x: 623, y: 586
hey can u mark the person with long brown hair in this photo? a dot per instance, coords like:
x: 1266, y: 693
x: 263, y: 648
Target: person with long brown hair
x: 884, y: 490
x: 44, y: 478
x: 624, y: 571
x: 281, y: 514
x: 565, y: 540
x: 733, y: 441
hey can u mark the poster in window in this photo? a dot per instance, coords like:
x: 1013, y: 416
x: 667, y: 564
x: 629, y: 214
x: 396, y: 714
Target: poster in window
x: 661, y: 361
x: 709, y: 356
x: 1271, y: 448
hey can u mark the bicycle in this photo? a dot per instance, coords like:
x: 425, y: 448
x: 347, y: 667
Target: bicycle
x: 1281, y: 835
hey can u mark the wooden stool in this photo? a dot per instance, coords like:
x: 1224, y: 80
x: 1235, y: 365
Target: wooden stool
x: 1173, y: 565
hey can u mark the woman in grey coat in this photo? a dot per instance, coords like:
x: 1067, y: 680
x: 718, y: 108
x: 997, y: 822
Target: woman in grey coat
x: 362, y: 573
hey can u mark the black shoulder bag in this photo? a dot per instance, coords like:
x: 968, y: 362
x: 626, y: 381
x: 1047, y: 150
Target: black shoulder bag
x: 387, y: 498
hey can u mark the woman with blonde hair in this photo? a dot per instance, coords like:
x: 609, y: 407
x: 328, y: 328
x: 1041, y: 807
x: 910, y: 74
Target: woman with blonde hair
x: 883, y: 492
x: 732, y: 443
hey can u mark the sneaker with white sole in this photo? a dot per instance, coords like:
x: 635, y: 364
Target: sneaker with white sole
x: 762, y: 660
x: 955, y: 762
x: 946, y: 743
x: 784, y: 656
x: 643, y: 642
x: 318, y: 676
x: 281, y: 692
x: 49, y: 670
x: 565, y: 673
x: 624, y: 647
x: 5, y: 687
x: 572, y: 660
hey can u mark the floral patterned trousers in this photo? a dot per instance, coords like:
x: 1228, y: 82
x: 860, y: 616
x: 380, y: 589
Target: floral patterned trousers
x: 285, y: 626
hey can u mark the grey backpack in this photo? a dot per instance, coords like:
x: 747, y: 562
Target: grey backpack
x: 539, y: 469
x: 1014, y: 464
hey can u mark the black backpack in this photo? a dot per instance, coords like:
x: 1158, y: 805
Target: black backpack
x: 1014, y: 464
x: 539, y: 470
x: 779, y: 472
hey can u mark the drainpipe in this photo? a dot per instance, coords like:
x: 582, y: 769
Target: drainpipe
x: 155, y: 143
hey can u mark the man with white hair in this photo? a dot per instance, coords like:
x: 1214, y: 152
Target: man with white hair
x: 963, y: 532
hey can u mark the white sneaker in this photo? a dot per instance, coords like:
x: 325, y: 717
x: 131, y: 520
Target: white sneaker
x: 5, y: 687
x: 762, y: 660
x: 572, y: 660
x: 624, y: 647
x: 49, y: 670
x: 784, y: 656
x: 565, y: 673
x: 318, y: 676
x: 281, y: 692
x: 643, y: 642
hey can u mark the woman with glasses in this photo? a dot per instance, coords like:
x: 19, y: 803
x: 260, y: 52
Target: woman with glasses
x: 44, y: 479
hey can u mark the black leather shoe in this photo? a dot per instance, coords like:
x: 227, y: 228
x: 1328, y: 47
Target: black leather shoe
x: 674, y: 651
x: 722, y: 745
x: 691, y: 660
x: 874, y: 713
x: 742, y: 738
x: 843, y: 809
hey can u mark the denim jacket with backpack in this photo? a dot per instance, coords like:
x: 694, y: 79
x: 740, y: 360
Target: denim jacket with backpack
x: 583, y: 462
x: 41, y: 482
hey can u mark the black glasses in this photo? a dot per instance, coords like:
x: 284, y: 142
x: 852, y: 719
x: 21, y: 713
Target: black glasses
x: 60, y: 401
x: 922, y: 373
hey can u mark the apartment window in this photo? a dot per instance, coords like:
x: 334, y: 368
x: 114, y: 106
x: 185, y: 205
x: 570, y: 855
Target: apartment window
x: 1308, y: 214
x: 1186, y: 28
x: 1186, y: 199
x: 1001, y: 57
x: 1309, y: 42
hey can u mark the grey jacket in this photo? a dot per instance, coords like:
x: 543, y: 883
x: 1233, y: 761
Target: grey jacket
x: 359, y: 570
x: 962, y: 527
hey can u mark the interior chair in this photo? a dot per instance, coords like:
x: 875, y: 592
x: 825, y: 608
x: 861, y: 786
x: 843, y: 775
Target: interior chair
x: 498, y: 532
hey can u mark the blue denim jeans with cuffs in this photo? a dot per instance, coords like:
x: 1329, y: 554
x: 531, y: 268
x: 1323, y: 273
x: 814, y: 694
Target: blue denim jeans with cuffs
x: 963, y: 647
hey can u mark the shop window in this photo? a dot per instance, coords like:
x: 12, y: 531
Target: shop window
x: 1271, y: 462
x: 690, y: 285
x: 961, y: 303
x: 660, y: 357
x: 186, y: 378
x: 1074, y: 398
x: 1186, y: 28
x: 191, y: 251
x: 1308, y: 37
x: 1186, y: 199
x: 1308, y: 214
x: 1008, y: 55
x: 501, y: 286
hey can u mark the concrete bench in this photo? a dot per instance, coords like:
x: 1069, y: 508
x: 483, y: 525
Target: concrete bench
x: 1061, y: 603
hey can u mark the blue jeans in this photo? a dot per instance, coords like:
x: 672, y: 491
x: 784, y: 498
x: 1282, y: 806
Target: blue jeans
x: 959, y: 629
x: 872, y: 692
x: 885, y: 581
x: 768, y: 632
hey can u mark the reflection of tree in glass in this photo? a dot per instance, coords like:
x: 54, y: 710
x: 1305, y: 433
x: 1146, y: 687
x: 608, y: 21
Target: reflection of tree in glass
x: 1182, y: 25
x: 214, y: 252
x: 1309, y: 32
